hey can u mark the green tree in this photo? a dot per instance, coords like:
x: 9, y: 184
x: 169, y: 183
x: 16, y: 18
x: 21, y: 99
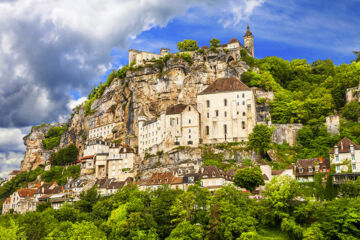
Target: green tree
x: 187, y: 45
x: 330, y: 190
x: 260, y: 138
x: 13, y: 232
x: 88, y: 199
x: 214, y: 43
x: 249, y: 178
x: 357, y: 53
x: 351, y: 111
x: 319, y: 190
x: 186, y: 231
x: 350, y: 189
x: 77, y: 231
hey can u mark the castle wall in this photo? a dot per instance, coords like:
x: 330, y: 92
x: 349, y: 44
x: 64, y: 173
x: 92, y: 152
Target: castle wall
x: 286, y: 133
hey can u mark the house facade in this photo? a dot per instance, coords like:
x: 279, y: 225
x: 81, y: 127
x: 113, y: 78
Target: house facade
x: 227, y: 110
x: 345, y: 156
x: 121, y: 162
x: 305, y: 169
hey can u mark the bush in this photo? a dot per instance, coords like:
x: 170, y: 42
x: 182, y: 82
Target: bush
x: 187, y: 45
x: 52, y: 137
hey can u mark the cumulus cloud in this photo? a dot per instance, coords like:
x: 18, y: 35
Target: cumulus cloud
x: 9, y: 161
x: 11, y: 139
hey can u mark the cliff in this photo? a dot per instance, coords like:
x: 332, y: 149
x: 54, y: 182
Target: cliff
x: 150, y: 87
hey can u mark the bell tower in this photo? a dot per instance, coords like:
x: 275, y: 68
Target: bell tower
x: 249, y: 41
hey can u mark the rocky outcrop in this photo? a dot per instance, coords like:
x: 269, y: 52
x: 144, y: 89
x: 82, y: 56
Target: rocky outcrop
x: 35, y: 154
x: 151, y: 88
x: 286, y: 133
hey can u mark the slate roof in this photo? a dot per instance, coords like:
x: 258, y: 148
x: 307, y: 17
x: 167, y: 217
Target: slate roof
x: 176, y: 109
x: 211, y: 172
x: 344, y: 146
x: 225, y: 85
x: 305, y: 164
x: 160, y: 178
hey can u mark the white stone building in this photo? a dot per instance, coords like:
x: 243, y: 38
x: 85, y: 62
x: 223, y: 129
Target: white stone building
x: 121, y: 162
x: 23, y: 200
x: 141, y: 57
x: 227, y: 110
x: 345, y: 155
x: 177, y: 126
x: 101, y: 131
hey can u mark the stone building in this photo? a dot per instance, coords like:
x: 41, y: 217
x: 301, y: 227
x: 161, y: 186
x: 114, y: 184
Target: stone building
x: 13, y: 174
x: 101, y: 131
x: 346, y: 156
x: 178, y: 125
x: 141, y: 57
x: 353, y: 94
x: 227, y: 110
x: 333, y: 124
x: 121, y: 161
x: 23, y: 200
x: 249, y: 41
x: 286, y: 133
x: 305, y: 169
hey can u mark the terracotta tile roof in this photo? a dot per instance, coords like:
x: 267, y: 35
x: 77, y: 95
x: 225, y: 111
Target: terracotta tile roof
x: 344, y: 146
x: 233, y: 40
x: 178, y: 180
x: 225, y: 85
x: 25, y: 192
x: 176, y: 109
x: 87, y: 157
x: 161, y: 178
x: 15, y: 172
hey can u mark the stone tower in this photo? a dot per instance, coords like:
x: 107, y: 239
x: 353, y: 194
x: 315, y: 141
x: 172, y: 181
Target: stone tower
x: 249, y: 41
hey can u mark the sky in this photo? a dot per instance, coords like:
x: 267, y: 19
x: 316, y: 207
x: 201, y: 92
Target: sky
x: 53, y: 52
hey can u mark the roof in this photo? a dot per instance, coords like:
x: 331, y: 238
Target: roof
x: 15, y: 172
x: 305, y: 164
x: 233, y: 40
x: 225, y: 85
x: 25, y: 192
x: 211, y: 172
x: 176, y: 109
x: 248, y: 32
x: 266, y: 178
x: 150, y: 121
x: 204, y: 47
x: 87, y: 157
x: 161, y: 178
x: 116, y: 185
x: 277, y: 172
x: 344, y: 146
x: 141, y: 113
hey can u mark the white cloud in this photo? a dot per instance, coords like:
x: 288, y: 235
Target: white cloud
x: 11, y: 139
x: 74, y: 103
x: 8, y: 162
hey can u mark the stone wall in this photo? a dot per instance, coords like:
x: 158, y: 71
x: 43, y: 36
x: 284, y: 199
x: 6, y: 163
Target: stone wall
x: 333, y: 124
x: 286, y: 133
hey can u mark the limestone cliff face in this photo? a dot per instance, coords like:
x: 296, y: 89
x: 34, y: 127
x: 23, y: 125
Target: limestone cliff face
x: 152, y: 88
x: 35, y: 154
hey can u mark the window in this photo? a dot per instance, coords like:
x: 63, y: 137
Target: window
x: 225, y: 102
x: 352, y: 148
x: 238, y: 96
x: 225, y: 129
x: 353, y: 157
x: 310, y: 169
x: 208, y: 103
x: 243, y: 125
x: 244, y: 114
x: 243, y: 95
x: 189, y: 121
x: 208, y: 115
x: 189, y: 130
x: 189, y: 136
x: 216, y: 113
x: 189, y: 108
x: 324, y: 169
x: 336, y: 150
x: 207, y: 130
x: 337, y: 169
x: 337, y: 158
x: 354, y: 167
x: 243, y: 102
x: 301, y: 170
x: 225, y: 114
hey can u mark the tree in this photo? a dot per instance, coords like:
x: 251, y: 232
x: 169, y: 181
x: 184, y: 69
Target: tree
x: 12, y: 232
x: 357, y: 53
x: 186, y: 231
x: 88, y: 199
x: 214, y: 43
x: 330, y: 191
x: 187, y: 45
x: 319, y: 190
x: 351, y: 111
x: 350, y: 188
x: 77, y: 231
x: 249, y: 178
x: 260, y: 138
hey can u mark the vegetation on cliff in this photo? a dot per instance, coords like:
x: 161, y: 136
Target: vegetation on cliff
x: 64, y: 156
x: 52, y: 137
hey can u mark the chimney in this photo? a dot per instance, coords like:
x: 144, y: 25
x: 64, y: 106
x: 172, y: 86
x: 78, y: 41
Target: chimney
x: 62, y: 188
x: 55, y: 183
x: 320, y: 159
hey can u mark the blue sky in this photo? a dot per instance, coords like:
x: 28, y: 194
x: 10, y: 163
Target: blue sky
x: 53, y: 52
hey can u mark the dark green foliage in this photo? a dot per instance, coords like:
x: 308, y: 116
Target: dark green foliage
x: 357, y: 53
x: 351, y: 111
x: 248, y: 59
x: 187, y: 45
x: 88, y: 200
x: 350, y: 189
x: 331, y: 191
x: 64, y: 156
x: 52, y: 137
x: 249, y: 178
x: 350, y: 130
x: 214, y: 43
x: 260, y: 138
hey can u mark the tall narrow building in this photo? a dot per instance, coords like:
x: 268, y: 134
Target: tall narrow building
x: 249, y: 41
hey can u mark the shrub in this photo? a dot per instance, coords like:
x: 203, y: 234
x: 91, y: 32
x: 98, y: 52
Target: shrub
x: 64, y: 156
x: 187, y: 45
